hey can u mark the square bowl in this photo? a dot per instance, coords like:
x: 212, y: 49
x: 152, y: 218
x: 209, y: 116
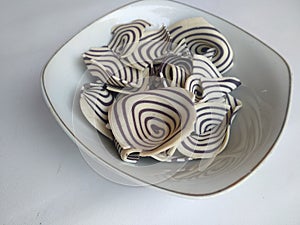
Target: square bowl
x: 265, y: 95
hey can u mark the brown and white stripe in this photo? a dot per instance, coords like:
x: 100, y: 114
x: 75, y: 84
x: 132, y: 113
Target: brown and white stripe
x: 153, y: 121
x: 201, y: 37
x: 104, y: 64
x: 152, y: 45
x: 126, y: 37
x: 95, y: 101
x: 211, y: 129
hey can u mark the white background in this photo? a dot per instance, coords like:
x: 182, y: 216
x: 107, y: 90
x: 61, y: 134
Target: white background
x: 43, y: 178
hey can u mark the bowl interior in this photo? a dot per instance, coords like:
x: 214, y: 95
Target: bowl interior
x: 265, y: 95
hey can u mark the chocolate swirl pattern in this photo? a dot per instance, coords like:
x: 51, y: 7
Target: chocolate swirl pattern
x: 214, y: 89
x: 211, y: 129
x: 201, y: 36
x: 180, y: 49
x: 208, y: 52
x: 95, y: 100
x: 126, y: 37
x: 203, y: 68
x: 175, y: 75
x: 161, y: 93
x: 153, y: 121
x: 175, y: 69
x: 145, y: 85
x: 152, y: 45
x: 104, y: 64
x: 235, y: 106
x: 184, y: 62
x: 126, y: 155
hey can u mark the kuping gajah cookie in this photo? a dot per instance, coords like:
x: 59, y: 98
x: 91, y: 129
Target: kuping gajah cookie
x: 152, y: 122
x: 161, y: 93
x: 204, y: 39
x: 126, y: 37
x: 95, y: 101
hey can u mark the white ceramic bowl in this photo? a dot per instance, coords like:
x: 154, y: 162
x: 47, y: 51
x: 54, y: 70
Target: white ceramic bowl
x: 265, y: 95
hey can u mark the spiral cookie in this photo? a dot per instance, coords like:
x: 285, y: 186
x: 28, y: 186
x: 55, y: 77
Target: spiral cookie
x: 212, y: 128
x: 235, y: 105
x: 94, y: 103
x: 126, y: 37
x: 153, y: 121
x: 161, y: 93
x: 152, y: 45
x: 203, y: 68
x: 214, y: 89
x: 175, y: 76
x: 201, y: 37
x: 184, y: 62
x: 125, y: 154
x: 180, y: 49
x: 104, y: 64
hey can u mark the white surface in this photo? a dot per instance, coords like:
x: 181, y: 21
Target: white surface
x: 43, y: 178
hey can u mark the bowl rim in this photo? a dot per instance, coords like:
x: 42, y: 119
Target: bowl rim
x: 72, y: 135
